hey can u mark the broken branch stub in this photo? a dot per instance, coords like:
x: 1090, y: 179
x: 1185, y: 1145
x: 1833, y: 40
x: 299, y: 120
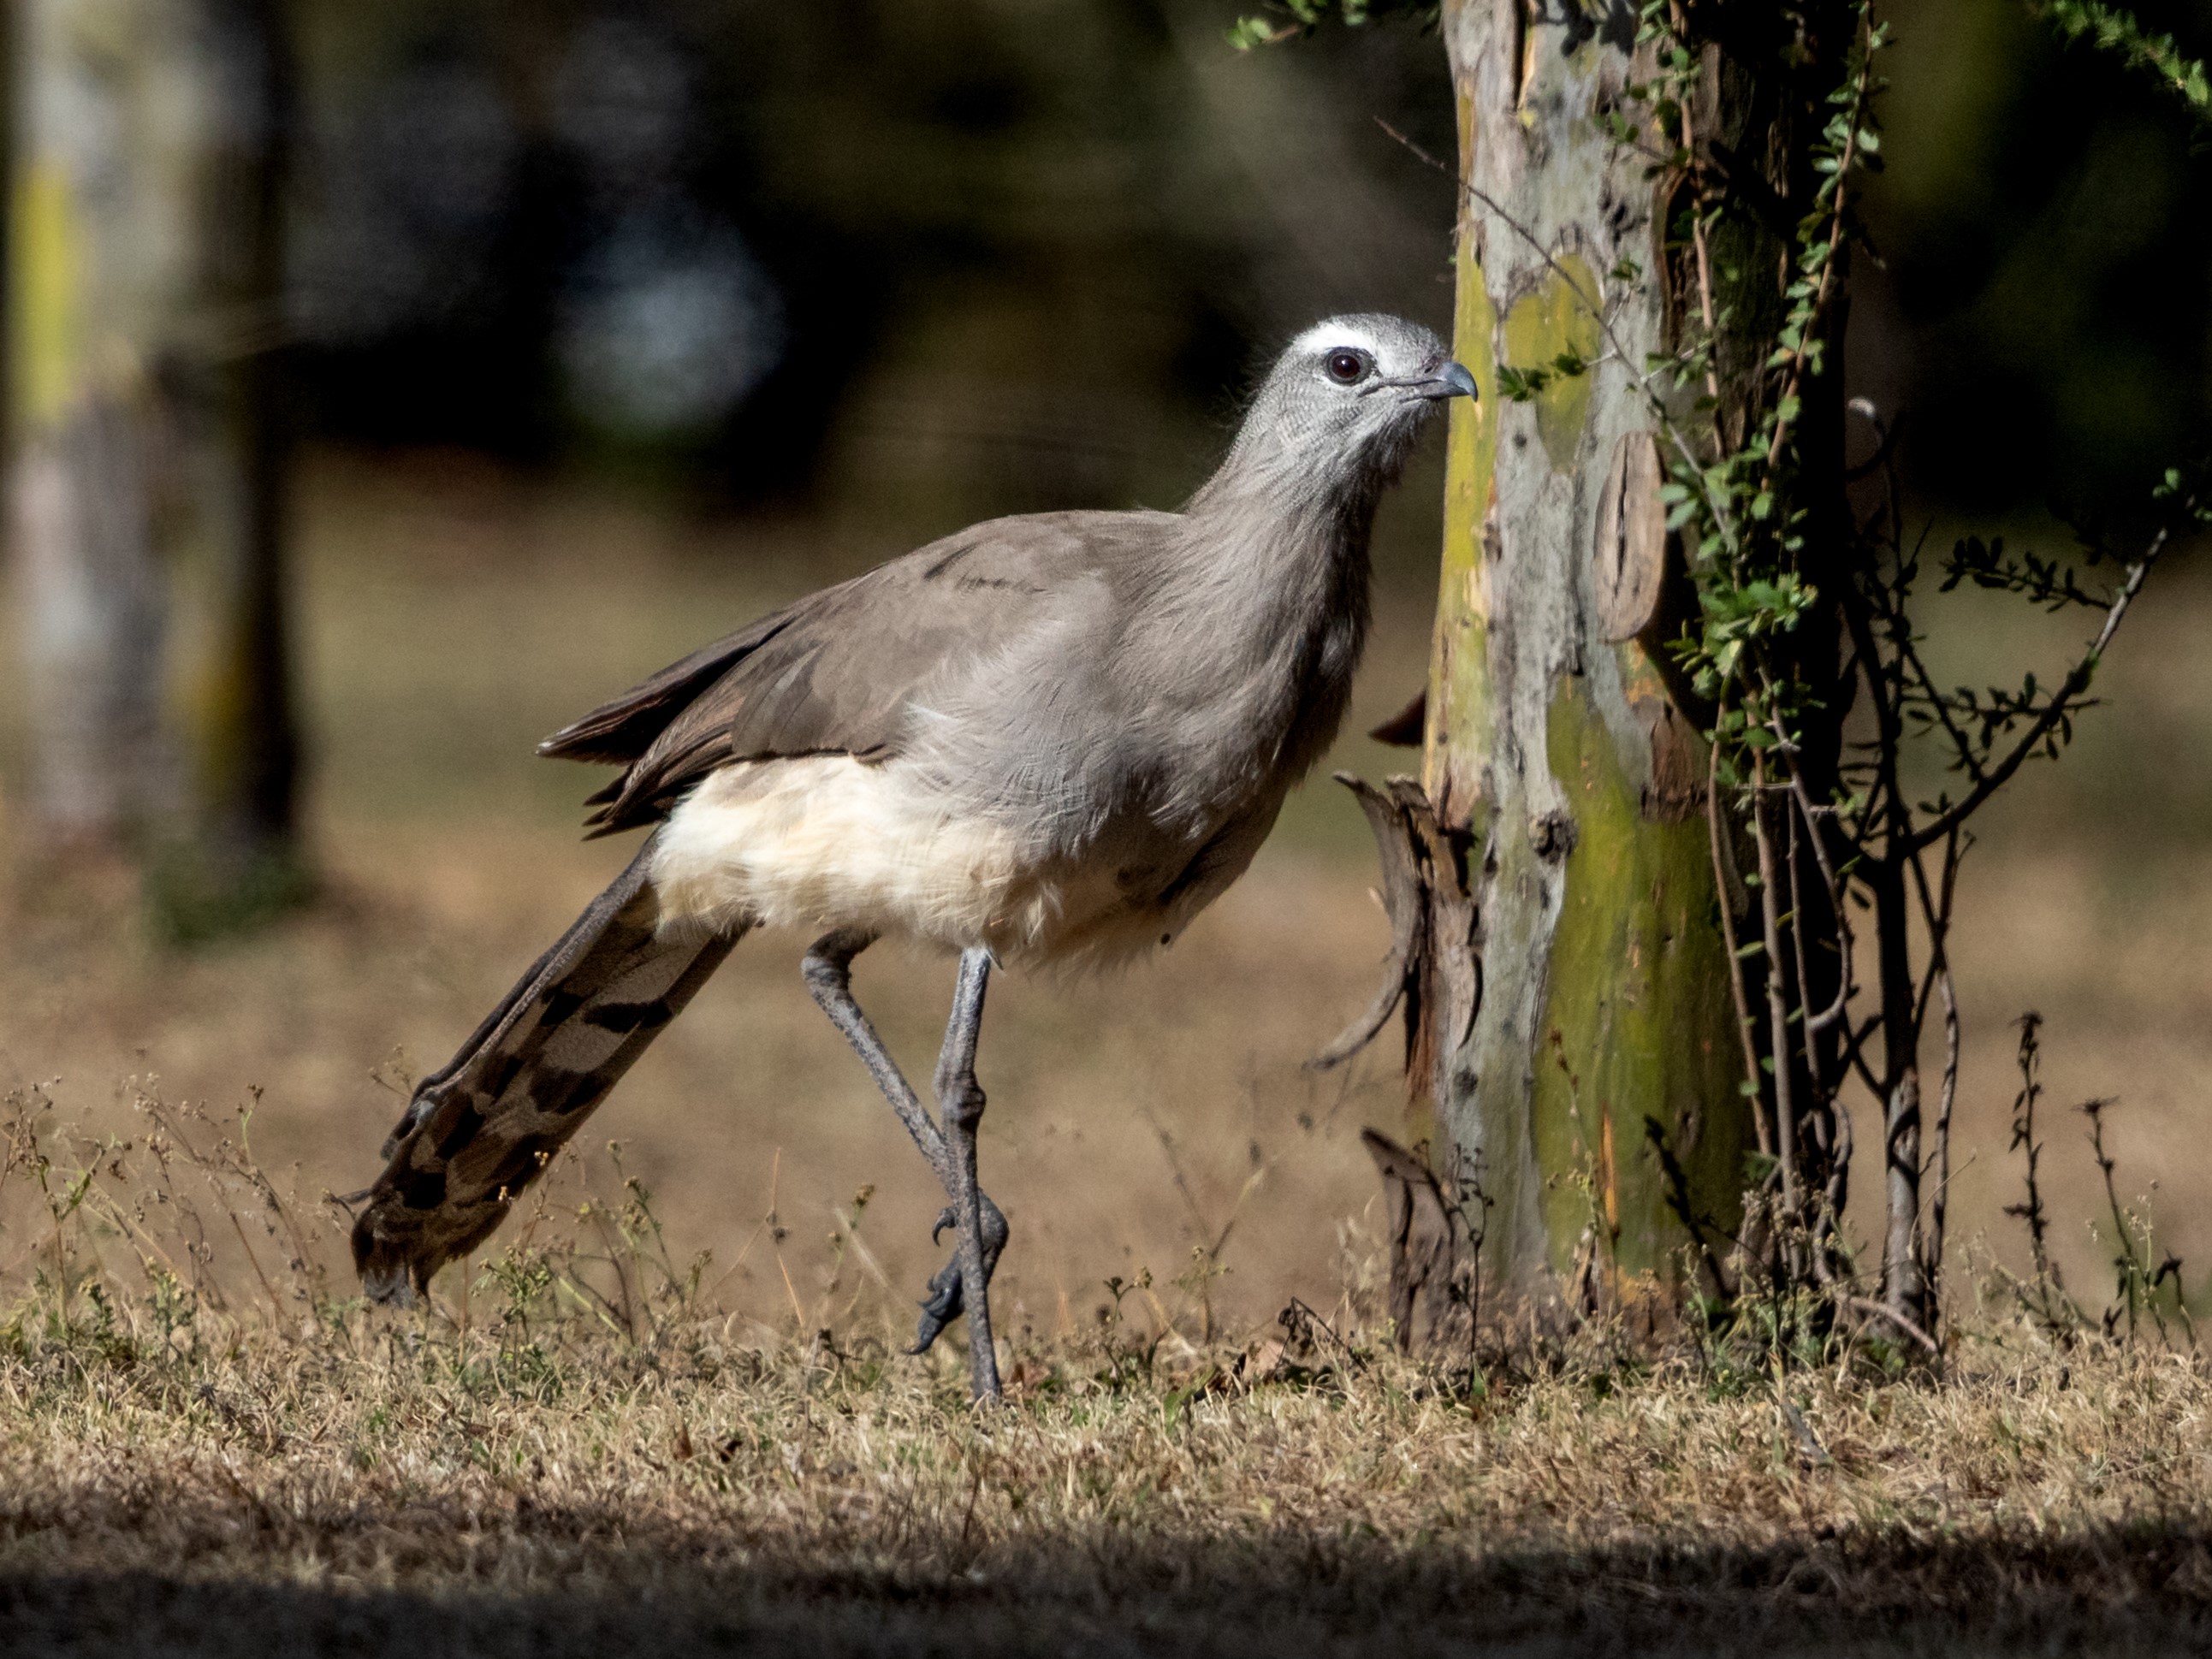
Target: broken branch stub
x: 1425, y: 1236
x: 1404, y: 901
x: 1628, y: 548
x: 1424, y: 891
x: 1407, y: 727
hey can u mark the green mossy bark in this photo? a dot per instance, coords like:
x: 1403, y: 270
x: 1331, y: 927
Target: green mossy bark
x: 1636, y: 1018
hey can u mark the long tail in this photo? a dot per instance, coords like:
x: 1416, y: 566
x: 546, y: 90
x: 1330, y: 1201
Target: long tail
x: 480, y: 1131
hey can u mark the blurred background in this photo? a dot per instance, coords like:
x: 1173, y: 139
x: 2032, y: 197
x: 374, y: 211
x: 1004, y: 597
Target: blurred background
x: 461, y: 363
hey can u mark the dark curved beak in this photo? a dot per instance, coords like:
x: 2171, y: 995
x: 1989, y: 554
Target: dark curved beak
x: 1452, y: 380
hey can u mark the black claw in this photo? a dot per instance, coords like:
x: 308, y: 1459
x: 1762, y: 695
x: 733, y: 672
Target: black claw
x: 942, y: 1308
x: 946, y: 1293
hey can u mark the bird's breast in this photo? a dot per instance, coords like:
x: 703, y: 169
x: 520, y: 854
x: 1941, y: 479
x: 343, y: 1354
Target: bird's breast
x: 827, y: 843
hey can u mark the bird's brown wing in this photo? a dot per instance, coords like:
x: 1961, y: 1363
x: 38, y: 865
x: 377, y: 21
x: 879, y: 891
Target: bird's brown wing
x: 615, y: 733
x: 837, y: 672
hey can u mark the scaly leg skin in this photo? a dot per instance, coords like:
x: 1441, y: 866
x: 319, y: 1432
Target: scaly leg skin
x: 828, y: 969
x: 963, y: 1285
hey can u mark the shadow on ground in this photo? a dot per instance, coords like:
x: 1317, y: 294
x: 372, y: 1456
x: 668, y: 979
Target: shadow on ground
x: 2141, y: 1589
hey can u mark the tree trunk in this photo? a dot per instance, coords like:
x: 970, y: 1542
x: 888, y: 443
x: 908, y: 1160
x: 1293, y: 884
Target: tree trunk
x: 1594, y: 1088
x: 148, y: 472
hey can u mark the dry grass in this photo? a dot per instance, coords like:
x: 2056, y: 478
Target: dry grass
x: 578, y: 1452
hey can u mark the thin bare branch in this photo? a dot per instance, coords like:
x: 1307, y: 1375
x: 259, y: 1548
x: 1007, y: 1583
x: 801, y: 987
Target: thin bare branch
x: 1778, y: 995
x: 1838, y: 902
x: 1715, y: 833
x: 1875, y: 1309
x: 2077, y: 681
x: 1935, y: 699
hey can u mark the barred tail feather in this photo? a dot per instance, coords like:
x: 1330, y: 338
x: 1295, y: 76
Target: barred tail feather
x: 479, y: 1131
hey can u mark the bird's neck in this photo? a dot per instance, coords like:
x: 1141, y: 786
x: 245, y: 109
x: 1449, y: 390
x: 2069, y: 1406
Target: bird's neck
x: 1276, y: 553
x: 1262, y: 607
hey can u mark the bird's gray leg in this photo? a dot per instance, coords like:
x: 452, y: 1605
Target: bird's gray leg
x: 828, y: 967
x: 964, y: 1283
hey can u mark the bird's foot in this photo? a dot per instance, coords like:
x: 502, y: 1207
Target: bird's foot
x: 942, y: 1307
x: 947, y: 1296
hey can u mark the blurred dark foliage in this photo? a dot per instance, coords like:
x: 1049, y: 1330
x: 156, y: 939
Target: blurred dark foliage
x: 2044, y: 317
x: 1019, y: 251
x: 776, y: 249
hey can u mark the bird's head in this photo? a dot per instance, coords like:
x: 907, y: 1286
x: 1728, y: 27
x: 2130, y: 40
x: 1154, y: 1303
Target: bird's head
x: 1346, y: 398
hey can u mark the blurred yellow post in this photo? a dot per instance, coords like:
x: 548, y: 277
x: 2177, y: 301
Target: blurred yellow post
x: 146, y: 280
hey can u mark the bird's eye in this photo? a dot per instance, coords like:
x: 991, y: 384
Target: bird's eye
x: 1348, y: 367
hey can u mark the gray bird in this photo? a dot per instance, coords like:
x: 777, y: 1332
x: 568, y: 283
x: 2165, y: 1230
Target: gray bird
x: 1049, y: 740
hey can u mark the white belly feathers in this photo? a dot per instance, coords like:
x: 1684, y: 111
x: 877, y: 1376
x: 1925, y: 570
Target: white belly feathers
x: 826, y: 842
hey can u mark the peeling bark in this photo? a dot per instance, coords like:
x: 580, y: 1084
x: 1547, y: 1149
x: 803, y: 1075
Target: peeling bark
x: 1434, y: 970
x: 1427, y: 1239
